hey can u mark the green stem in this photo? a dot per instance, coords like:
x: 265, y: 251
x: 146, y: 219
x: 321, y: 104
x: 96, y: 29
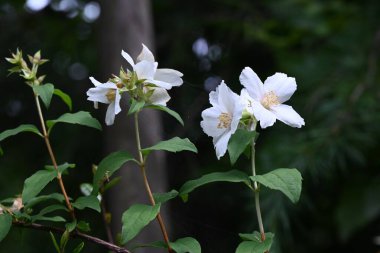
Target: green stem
x: 146, y: 184
x: 257, y: 194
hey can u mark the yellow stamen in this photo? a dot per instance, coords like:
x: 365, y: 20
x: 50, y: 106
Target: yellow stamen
x: 111, y: 95
x: 270, y: 99
x: 224, y: 120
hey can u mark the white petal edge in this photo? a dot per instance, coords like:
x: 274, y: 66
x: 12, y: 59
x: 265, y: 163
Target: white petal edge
x: 282, y: 85
x: 264, y: 116
x: 128, y: 58
x: 221, y: 144
x: 145, y: 69
x: 170, y: 76
x: 110, y: 114
x: 288, y: 115
x: 210, y: 122
x: 145, y: 55
x: 249, y: 79
x: 159, y: 97
x: 94, y: 81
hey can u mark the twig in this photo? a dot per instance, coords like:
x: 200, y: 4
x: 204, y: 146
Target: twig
x: 73, y: 234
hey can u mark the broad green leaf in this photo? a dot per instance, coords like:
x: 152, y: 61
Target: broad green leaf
x: 65, y: 98
x: 83, y: 226
x: 61, y: 168
x: 108, y: 166
x: 135, y: 106
x: 288, y: 181
x: 175, y: 144
x: 34, y: 184
x: 253, y: 243
x: 164, y: 197
x: 233, y: 176
x: 135, y: 219
x: 80, y: 118
x: 186, y: 245
x: 87, y: 201
x: 167, y: 110
x: 5, y: 225
x: 239, y: 142
x: 54, y: 242
x: 36, y: 200
x: 78, y: 248
x: 45, y: 92
x: 19, y: 129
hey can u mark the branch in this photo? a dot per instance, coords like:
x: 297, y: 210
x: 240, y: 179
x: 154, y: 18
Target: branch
x: 74, y: 234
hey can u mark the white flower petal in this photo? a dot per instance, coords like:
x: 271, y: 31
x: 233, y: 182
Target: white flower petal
x: 252, y: 83
x: 221, y: 144
x: 160, y: 84
x: 94, y: 81
x: 128, y: 58
x: 117, y: 102
x: 247, y: 100
x: 266, y: 117
x: 145, y: 55
x: 98, y: 95
x: 110, y: 114
x: 145, y: 69
x: 210, y: 122
x: 159, y: 97
x: 288, y: 115
x: 170, y: 76
x: 282, y: 85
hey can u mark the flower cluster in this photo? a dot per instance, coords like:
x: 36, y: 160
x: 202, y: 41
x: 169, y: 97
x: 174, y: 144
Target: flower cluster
x: 144, y: 82
x: 257, y: 102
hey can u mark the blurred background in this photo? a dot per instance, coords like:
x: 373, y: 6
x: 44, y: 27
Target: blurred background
x: 330, y: 47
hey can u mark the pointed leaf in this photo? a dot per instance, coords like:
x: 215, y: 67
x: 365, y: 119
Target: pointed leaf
x: 54, y: 242
x: 80, y: 118
x: 5, y: 225
x: 233, y: 176
x: 135, y: 219
x: 36, y: 200
x: 61, y: 168
x: 19, y: 129
x: 108, y: 166
x: 135, y: 106
x: 288, y: 181
x: 239, y: 142
x: 87, y: 201
x: 160, y: 198
x: 45, y: 92
x: 34, y: 184
x: 167, y: 110
x: 253, y: 243
x: 186, y: 245
x: 65, y: 98
x: 175, y: 144
x: 78, y: 248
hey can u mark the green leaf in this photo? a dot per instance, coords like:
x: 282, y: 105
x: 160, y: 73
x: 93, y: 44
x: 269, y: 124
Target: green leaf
x: 83, y: 226
x: 64, y: 239
x: 175, y: 144
x: 87, y: 202
x: 253, y: 243
x: 45, y: 92
x: 36, y: 200
x: 49, y: 209
x: 239, y: 142
x: 71, y: 225
x: 161, y: 198
x: 80, y: 118
x: 136, y: 106
x: 167, y: 110
x: 65, y: 98
x: 52, y: 219
x: 34, y: 184
x: 135, y: 219
x: 233, y: 176
x: 111, y: 183
x: 78, y: 248
x: 186, y: 245
x: 108, y: 166
x: 19, y: 129
x: 61, y: 168
x: 5, y: 225
x: 288, y: 181
x: 54, y: 242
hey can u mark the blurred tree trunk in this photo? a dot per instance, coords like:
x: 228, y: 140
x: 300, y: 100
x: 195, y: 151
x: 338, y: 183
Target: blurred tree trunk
x: 125, y: 24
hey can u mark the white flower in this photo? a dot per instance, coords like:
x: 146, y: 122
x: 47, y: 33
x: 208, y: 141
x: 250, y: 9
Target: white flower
x: 265, y: 101
x: 159, y: 96
x: 222, y: 119
x: 107, y: 93
x: 146, y: 68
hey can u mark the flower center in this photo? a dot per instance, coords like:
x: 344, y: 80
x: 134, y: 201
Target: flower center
x: 224, y: 120
x: 269, y: 99
x: 111, y: 95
